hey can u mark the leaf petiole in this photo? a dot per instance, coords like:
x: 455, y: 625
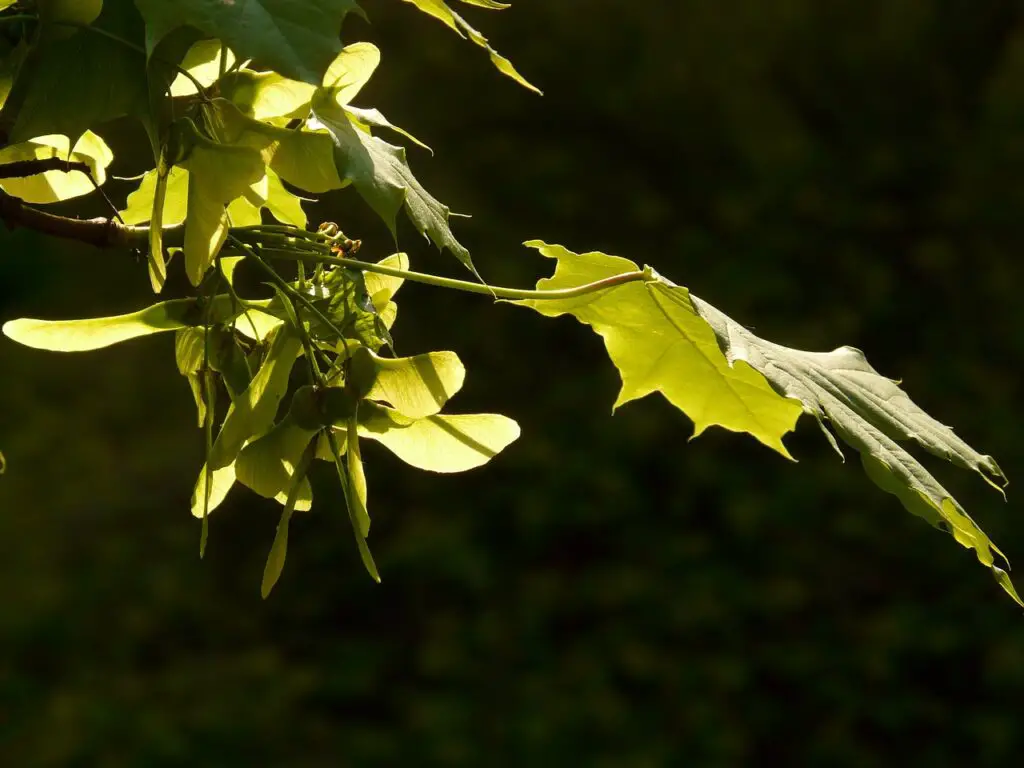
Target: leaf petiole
x: 464, y: 285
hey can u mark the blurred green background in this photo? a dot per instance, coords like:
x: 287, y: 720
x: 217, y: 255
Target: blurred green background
x: 605, y: 593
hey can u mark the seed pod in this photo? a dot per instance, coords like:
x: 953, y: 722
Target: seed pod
x: 362, y: 373
x: 305, y: 408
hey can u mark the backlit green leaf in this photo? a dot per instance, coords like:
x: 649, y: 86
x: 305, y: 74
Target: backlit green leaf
x: 350, y: 308
x: 302, y: 158
x: 282, y: 204
x: 202, y: 62
x: 54, y: 186
x: 337, y: 450
x: 417, y: 386
x: 279, y: 548
x: 196, y: 386
x: 267, y: 95
x: 221, y: 482
x: 253, y: 412
x: 442, y: 11
x: 139, y: 206
x: 350, y: 71
x: 267, y: 464
x: 439, y: 443
x: 366, y: 118
x: 54, y: 12
x: 271, y: 194
x: 357, y: 480
x: 218, y: 173
x: 242, y: 213
x: 660, y: 344
x: 157, y: 263
x: 278, y: 551
x: 189, y: 350
x: 256, y: 325
x: 299, y: 40
x: 382, y: 288
x: 98, y: 332
x: 305, y: 159
x: 657, y: 334
x: 189, y: 354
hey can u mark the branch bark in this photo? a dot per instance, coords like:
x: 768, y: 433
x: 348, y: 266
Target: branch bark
x: 99, y: 232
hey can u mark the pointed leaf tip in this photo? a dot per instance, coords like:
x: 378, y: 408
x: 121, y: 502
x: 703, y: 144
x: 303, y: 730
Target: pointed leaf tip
x: 1003, y: 579
x: 279, y: 548
x: 443, y: 12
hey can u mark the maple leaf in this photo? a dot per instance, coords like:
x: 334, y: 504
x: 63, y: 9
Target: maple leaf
x: 663, y: 339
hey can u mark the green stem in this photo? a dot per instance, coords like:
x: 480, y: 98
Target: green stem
x: 210, y: 398
x: 287, y: 240
x: 465, y: 285
x: 286, y: 229
x: 283, y: 285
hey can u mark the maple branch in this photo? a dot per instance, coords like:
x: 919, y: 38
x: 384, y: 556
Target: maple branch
x: 108, y: 233
x: 98, y: 232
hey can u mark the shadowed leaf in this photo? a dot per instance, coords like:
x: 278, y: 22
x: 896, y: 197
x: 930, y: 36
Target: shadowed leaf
x: 299, y: 40
x: 379, y: 172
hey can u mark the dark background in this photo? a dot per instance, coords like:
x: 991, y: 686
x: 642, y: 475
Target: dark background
x: 604, y: 593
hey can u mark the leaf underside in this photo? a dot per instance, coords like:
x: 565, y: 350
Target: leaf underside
x: 661, y: 338
x: 382, y: 176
